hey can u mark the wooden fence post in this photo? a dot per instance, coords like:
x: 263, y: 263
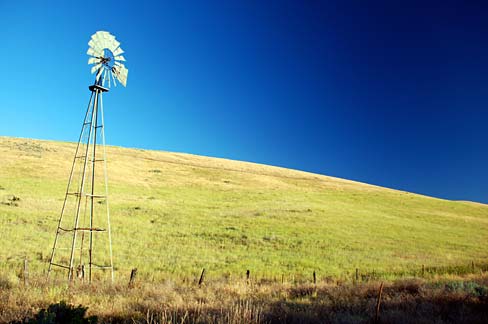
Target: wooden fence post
x: 133, y: 274
x: 423, y: 270
x: 282, y: 278
x: 202, y: 276
x: 26, y: 272
x: 80, y: 272
x: 248, y: 275
x: 472, y: 266
x: 378, y: 303
x: 357, y: 274
x: 314, y: 278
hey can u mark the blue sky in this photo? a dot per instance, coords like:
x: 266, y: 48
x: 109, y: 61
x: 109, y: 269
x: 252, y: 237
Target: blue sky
x: 393, y: 93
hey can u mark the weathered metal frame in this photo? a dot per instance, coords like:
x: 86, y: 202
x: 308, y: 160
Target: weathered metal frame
x: 94, y: 110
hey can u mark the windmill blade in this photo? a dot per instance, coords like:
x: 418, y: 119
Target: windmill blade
x: 105, y: 34
x: 96, y: 41
x: 106, y: 43
x: 99, y: 74
x: 120, y: 58
x: 104, y: 78
x: 115, y: 45
x: 98, y: 36
x: 99, y: 40
x: 110, y: 38
x: 123, y: 80
x: 106, y: 39
x: 91, y: 43
x: 95, y: 68
x: 93, y: 60
x: 95, y: 52
x: 122, y: 75
x: 113, y: 78
x: 109, y: 73
x: 92, y: 52
x: 102, y: 44
x: 118, y: 51
x: 96, y: 44
x: 109, y: 43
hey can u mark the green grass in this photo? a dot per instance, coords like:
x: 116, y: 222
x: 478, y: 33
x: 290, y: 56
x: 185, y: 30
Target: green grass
x: 174, y: 214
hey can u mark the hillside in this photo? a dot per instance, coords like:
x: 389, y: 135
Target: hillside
x: 174, y: 214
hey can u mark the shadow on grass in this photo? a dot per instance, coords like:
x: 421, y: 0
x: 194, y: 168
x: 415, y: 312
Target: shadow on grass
x: 403, y: 304
x: 404, y: 301
x: 61, y: 313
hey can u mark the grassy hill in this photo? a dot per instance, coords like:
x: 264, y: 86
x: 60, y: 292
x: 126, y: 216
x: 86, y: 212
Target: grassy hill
x: 174, y: 214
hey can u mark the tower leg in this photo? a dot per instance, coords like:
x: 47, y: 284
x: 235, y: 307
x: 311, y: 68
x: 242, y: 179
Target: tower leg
x: 92, y: 141
x: 92, y: 210
x: 85, y: 122
x: 109, y: 231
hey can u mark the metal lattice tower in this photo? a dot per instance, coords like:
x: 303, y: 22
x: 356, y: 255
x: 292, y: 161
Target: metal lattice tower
x: 85, y: 215
x: 81, y: 220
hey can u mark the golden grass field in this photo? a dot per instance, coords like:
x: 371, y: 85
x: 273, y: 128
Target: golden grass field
x: 174, y: 214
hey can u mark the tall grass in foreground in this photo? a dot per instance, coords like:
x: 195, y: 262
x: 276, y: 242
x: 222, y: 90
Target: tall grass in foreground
x: 446, y: 299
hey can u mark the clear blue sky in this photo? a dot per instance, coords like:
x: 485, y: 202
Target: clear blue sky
x: 393, y: 93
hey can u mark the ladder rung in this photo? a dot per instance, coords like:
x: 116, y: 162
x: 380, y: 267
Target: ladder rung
x: 99, y: 126
x: 59, y: 265
x: 88, y: 229
x: 100, y: 267
x: 95, y: 196
x: 87, y: 123
x: 84, y: 229
x: 80, y: 157
x: 77, y: 194
x: 63, y: 248
x: 96, y: 160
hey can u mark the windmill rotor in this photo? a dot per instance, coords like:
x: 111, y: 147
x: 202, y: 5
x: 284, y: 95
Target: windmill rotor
x: 106, y: 59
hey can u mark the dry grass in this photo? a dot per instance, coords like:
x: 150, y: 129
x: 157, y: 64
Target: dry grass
x: 442, y: 300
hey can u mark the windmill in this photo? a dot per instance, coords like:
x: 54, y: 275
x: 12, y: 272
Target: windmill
x: 85, y: 215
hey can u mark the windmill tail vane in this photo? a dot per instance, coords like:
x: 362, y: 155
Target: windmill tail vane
x: 85, y: 214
